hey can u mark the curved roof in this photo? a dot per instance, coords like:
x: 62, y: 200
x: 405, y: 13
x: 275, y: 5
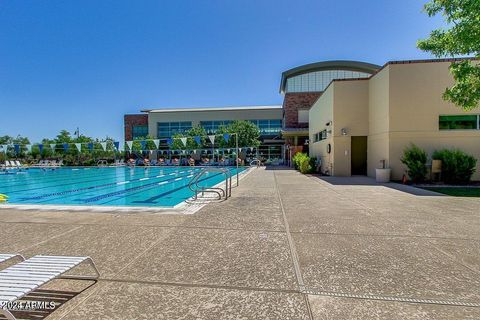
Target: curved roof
x: 328, y: 65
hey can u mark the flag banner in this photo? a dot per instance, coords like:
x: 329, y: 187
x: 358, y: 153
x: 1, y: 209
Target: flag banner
x: 53, y: 146
x: 194, y: 151
x: 197, y: 139
x: 184, y: 141
x: 116, y: 144
x: 228, y: 150
x: 79, y: 146
x: 156, y: 142
x: 151, y: 151
x: 65, y: 147
x: 29, y: 147
x: 143, y: 143
x: 212, y: 138
x: 169, y: 141
x: 90, y: 146
x: 130, y: 145
x: 226, y: 136
x: 251, y: 149
x: 239, y: 149
x: 17, y: 148
x: 40, y: 147
x: 104, y: 146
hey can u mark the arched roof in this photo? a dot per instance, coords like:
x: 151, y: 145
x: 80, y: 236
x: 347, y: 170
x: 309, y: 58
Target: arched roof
x: 328, y: 65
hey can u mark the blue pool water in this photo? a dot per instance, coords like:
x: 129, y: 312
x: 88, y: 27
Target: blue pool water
x: 121, y: 186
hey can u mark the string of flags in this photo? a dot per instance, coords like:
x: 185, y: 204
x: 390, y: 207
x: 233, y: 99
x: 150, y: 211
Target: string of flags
x: 53, y: 146
x: 116, y: 145
x: 169, y: 141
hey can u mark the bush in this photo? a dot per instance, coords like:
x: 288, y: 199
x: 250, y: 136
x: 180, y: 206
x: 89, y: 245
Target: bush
x: 416, y: 161
x: 457, y: 166
x: 303, y: 162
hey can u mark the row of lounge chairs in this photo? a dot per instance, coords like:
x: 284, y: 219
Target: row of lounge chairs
x: 48, y: 164
x: 20, y: 279
x: 11, y: 164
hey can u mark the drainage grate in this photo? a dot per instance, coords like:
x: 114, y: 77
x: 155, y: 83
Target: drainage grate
x: 386, y: 298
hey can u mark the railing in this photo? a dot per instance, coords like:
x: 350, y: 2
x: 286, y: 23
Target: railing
x: 255, y: 162
x: 221, y: 193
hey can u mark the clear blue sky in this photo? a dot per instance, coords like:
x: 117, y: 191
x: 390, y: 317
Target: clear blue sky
x: 84, y: 63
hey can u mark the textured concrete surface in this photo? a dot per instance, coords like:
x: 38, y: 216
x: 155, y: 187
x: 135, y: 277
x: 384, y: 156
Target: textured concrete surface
x: 285, y: 246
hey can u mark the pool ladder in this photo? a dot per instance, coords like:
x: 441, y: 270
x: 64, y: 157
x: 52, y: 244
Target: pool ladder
x: 219, y: 191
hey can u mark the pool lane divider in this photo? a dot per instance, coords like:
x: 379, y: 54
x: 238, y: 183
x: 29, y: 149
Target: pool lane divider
x: 62, y: 193
x: 67, y: 177
x: 163, y: 194
x: 141, y: 187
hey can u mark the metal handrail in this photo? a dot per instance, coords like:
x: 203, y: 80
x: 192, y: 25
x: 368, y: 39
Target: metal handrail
x: 227, y: 192
x: 256, y: 161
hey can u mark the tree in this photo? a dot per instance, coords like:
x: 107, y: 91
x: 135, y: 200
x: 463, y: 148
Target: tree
x: 462, y: 38
x: 248, y: 134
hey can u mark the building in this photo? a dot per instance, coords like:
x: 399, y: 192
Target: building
x: 302, y: 86
x: 356, y: 125
x: 164, y: 123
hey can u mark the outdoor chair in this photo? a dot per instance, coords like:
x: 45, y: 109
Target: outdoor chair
x: 7, y: 257
x: 22, y: 278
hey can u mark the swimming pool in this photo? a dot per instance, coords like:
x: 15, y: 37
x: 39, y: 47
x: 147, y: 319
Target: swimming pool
x: 105, y: 186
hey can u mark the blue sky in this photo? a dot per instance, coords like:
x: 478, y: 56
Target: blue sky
x: 85, y: 63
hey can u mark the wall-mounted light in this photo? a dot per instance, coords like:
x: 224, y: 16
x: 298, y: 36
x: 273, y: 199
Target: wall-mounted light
x: 344, y: 131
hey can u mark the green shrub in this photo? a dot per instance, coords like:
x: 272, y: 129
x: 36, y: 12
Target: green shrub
x: 457, y: 166
x: 416, y: 160
x: 303, y: 162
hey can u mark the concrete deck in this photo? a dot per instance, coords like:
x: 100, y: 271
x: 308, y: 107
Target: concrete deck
x: 285, y: 246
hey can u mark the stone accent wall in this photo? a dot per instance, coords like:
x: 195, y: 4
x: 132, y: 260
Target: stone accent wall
x: 131, y: 120
x: 295, y: 101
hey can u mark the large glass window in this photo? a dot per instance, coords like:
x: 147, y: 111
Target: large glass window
x: 319, y: 80
x: 212, y: 126
x: 139, y: 132
x: 458, y: 122
x: 267, y: 127
x: 168, y: 129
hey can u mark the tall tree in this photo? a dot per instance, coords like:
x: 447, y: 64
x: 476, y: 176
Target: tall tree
x: 462, y: 38
x: 248, y: 134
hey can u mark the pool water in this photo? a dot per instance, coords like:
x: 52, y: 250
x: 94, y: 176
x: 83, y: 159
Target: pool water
x: 120, y: 186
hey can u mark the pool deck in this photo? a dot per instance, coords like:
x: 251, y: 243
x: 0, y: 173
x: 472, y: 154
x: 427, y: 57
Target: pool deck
x: 285, y: 246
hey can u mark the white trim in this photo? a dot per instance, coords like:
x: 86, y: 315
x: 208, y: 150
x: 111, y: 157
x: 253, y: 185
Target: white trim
x: 246, y: 108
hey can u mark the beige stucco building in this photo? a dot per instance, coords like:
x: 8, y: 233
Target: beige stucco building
x: 356, y: 124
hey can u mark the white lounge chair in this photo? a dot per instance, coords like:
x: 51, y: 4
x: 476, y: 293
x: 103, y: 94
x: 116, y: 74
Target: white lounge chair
x: 7, y: 257
x: 21, y: 279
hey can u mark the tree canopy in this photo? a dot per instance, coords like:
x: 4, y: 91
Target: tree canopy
x: 460, y: 39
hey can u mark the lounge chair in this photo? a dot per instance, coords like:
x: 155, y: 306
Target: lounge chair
x: 8, y: 257
x: 21, y: 279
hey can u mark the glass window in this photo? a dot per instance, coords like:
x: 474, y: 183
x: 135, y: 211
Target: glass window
x: 319, y: 80
x: 139, y: 131
x: 168, y: 129
x: 302, y: 116
x: 458, y: 122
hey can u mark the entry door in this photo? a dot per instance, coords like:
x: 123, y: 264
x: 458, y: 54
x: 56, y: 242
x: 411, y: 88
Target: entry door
x: 359, y: 155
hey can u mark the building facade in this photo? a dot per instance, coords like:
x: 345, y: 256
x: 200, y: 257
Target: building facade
x: 302, y: 87
x: 356, y: 125
x: 164, y: 123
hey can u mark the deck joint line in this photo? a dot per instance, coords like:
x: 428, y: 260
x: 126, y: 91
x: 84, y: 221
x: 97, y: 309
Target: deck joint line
x: 389, y: 298
x: 293, y: 250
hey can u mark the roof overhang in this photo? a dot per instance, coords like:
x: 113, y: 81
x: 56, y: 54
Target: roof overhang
x: 328, y: 65
x: 244, y: 108
x: 292, y: 132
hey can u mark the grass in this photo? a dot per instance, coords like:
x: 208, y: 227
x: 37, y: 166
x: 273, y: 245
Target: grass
x: 457, y: 191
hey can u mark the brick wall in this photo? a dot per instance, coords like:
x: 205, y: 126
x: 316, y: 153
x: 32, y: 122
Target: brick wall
x: 295, y: 101
x: 131, y: 120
